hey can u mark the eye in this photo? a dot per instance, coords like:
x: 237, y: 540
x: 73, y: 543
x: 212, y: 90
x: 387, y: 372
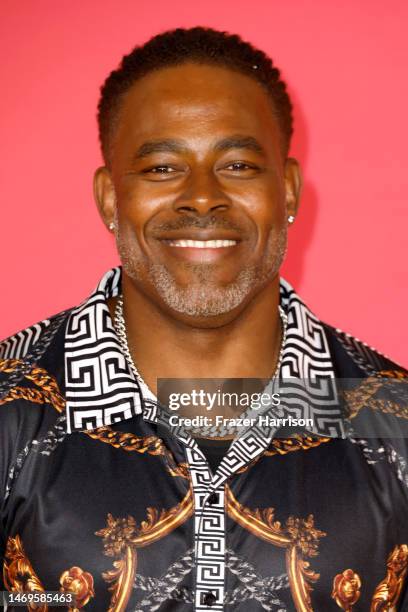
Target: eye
x: 239, y: 166
x: 160, y: 170
x: 240, y: 169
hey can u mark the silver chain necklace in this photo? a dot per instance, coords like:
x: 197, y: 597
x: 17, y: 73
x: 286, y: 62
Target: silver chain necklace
x: 211, y: 431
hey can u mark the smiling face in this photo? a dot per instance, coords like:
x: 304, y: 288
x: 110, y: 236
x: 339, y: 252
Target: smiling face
x: 199, y: 189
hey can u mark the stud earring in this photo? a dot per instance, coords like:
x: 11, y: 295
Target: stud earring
x: 291, y: 219
x: 111, y: 225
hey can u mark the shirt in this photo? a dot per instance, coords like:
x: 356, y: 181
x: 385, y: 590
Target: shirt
x: 100, y: 497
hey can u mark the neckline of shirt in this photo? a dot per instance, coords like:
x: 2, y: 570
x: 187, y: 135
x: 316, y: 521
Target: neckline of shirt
x: 101, y: 389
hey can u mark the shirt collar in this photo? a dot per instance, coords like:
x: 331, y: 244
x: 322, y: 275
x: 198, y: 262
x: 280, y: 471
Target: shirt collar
x: 101, y: 390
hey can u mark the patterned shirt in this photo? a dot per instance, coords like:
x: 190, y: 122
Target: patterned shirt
x: 101, y: 497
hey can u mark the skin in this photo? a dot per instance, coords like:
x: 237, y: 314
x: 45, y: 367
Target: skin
x: 229, y: 176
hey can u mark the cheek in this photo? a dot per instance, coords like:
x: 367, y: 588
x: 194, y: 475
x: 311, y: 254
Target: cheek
x: 133, y: 213
x: 267, y: 210
x: 139, y: 203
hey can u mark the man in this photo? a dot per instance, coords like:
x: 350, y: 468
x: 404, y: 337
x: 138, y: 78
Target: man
x: 102, y: 495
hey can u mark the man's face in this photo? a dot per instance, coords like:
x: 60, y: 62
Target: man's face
x: 199, y: 189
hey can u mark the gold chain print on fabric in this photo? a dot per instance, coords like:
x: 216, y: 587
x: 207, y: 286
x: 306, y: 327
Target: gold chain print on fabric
x: 46, y: 390
x: 152, y: 445
x: 363, y: 395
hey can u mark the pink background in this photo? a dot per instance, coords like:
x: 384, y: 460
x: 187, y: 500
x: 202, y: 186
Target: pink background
x: 346, y: 65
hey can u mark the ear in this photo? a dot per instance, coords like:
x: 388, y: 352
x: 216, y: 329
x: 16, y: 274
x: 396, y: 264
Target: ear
x: 105, y: 197
x: 293, y: 186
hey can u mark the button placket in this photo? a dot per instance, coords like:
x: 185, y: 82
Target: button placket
x: 210, y: 515
x: 209, y: 528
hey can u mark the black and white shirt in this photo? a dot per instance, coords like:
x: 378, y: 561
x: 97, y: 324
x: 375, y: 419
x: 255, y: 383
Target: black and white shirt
x: 100, y: 497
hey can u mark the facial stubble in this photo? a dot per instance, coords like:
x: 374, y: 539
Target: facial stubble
x: 203, y: 297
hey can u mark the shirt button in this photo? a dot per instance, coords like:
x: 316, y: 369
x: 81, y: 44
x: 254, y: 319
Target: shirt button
x: 208, y: 599
x: 213, y: 499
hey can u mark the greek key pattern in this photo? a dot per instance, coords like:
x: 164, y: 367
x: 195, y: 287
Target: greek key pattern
x: 100, y: 389
x: 209, y: 533
x: 307, y: 383
x: 209, y: 518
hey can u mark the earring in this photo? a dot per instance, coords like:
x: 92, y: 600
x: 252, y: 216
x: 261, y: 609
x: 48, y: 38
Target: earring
x: 291, y: 219
x: 111, y: 225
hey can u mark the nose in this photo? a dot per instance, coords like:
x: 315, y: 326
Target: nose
x: 202, y: 195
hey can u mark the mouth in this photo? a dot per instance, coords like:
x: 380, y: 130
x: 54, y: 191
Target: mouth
x: 203, y: 249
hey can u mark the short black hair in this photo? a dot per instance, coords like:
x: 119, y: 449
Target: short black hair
x: 200, y: 45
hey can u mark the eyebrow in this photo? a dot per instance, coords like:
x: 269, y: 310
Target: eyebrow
x: 239, y: 142
x: 170, y: 145
x: 160, y: 146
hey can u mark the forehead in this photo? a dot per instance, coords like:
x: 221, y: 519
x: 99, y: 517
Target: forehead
x: 192, y: 100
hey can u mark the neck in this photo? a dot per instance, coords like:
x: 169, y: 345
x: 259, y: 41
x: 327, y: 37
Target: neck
x: 165, y: 347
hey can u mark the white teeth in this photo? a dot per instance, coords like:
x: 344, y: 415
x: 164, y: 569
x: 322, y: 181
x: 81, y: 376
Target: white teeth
x: 203, y: 244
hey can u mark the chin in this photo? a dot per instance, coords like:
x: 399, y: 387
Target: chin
x: 208, y: 321
x: 210, y: 308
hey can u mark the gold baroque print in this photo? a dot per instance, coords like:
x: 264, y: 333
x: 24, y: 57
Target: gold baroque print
x: 299, y: 537
x: 387, y: 593
x: 346, y: 589
x: 18, y: 573
x: 46, y: 391
x: 80, y: 584
x: 121, y: 538
x: 19, y: 576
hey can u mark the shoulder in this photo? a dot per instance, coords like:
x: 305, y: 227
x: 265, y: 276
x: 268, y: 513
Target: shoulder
x: 26, y: 356
x: 31, y: 339
x: 32, y: 374
x: 374, y: 391
x: 354, y: 358
x: 31, y: 347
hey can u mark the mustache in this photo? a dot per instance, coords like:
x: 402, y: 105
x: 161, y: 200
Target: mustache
x: 206, y: 222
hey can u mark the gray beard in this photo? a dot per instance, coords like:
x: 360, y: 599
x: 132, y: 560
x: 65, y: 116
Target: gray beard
x: 203, y: 297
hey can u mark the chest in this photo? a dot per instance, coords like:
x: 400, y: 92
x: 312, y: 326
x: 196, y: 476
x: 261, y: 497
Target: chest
x: 131, y: 517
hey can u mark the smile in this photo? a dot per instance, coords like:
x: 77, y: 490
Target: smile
x: 202, y: 244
